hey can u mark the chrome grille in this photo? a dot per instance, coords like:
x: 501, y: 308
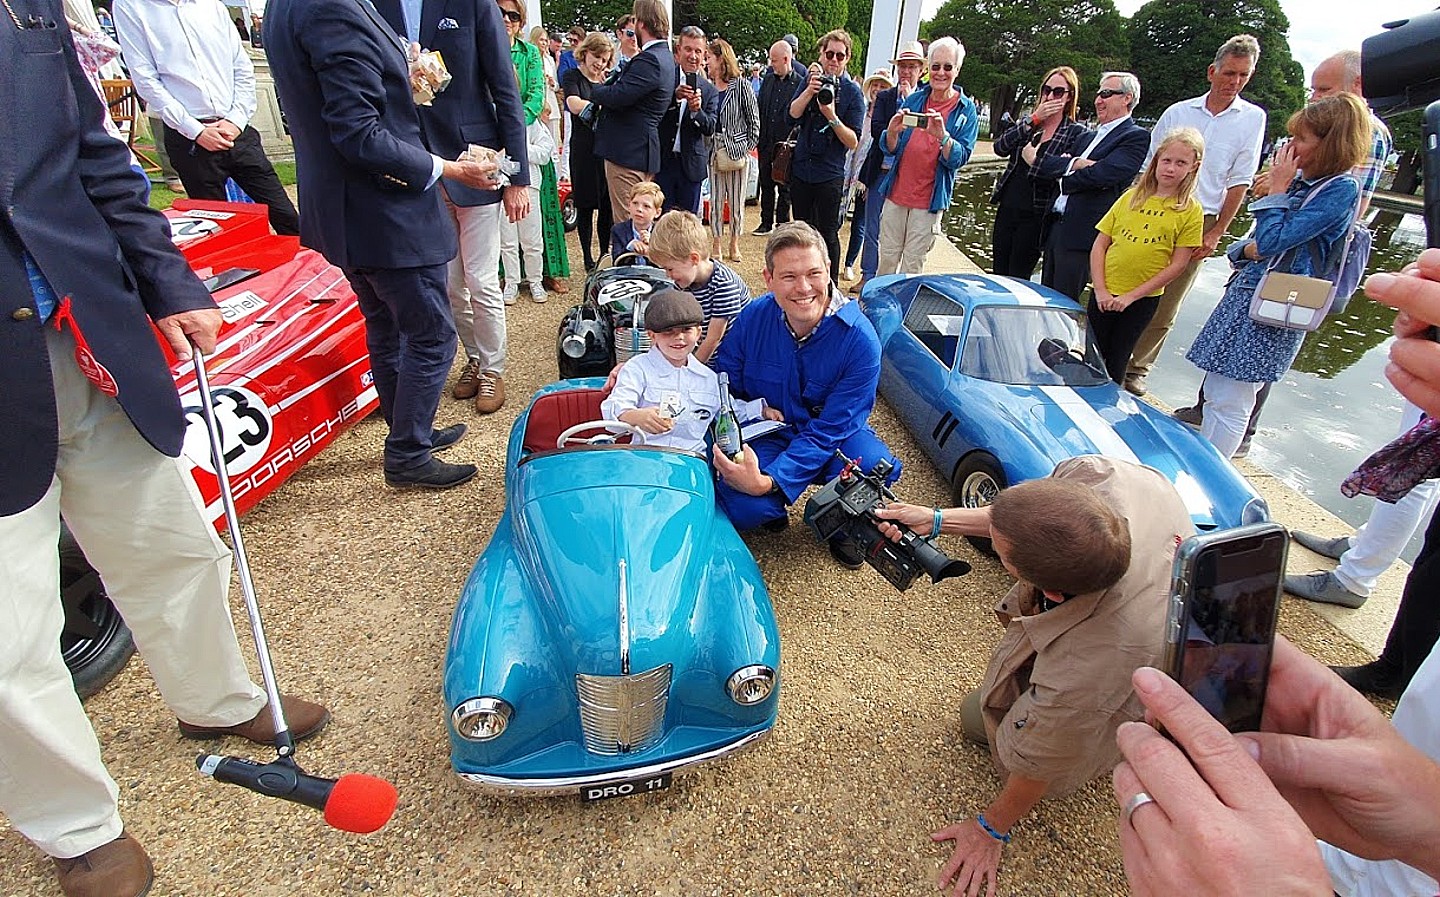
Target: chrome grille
x: 620, y: 714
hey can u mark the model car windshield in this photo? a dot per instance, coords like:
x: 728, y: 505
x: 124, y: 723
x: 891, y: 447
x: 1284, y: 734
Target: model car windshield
x: 1028, y: 346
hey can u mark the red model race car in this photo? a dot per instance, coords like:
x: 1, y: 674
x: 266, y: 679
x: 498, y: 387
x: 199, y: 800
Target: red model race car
x: 290, y: 373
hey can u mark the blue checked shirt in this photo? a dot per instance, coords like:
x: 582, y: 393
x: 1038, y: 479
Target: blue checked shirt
x: 1368, y: 172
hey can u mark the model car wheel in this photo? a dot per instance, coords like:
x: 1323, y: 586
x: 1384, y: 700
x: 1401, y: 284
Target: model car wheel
x: 569, y: 215
x: 978, y: 479
x: 95, y: 641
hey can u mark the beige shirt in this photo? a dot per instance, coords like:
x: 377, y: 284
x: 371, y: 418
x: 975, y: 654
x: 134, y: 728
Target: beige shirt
x: 1058, y: 684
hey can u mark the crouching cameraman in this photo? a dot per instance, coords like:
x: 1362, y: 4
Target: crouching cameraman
x: 1092, y: 547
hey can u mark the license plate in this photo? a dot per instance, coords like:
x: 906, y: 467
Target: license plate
x: 625, y: 789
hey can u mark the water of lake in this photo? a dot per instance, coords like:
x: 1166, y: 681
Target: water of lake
x: 1332, y: 409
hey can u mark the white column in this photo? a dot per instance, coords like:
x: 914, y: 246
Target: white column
x: 892, y: 23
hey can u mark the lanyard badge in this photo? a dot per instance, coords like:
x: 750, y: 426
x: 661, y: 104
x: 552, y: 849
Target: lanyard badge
x: 85, y: 359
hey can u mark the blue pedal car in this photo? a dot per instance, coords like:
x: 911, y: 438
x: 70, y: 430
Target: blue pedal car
x: 998, y: 380
x: 615, y: 629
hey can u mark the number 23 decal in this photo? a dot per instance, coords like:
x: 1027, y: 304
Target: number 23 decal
x: 244, y: 423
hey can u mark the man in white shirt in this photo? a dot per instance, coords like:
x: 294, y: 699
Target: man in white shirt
x: 189, y: 66
x: 1234, y: 130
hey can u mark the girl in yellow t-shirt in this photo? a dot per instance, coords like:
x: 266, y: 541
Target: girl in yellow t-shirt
x: 1144, y: 242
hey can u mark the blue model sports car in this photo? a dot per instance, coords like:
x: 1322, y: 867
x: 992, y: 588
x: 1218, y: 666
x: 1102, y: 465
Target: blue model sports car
x: 616, y: 628
x: 999, y: 381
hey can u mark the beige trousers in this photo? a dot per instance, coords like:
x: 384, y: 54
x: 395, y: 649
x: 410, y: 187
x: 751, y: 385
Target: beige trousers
x: 906, y: 236
x: 138, y: 516
x: 620, y: 181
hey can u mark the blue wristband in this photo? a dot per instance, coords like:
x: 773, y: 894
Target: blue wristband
x: 1003, y: 839
x: 935, y: 526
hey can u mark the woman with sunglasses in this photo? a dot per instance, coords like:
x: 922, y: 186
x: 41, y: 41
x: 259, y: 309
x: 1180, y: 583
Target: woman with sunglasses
x: 926, y: 156
x: 1023, y: 194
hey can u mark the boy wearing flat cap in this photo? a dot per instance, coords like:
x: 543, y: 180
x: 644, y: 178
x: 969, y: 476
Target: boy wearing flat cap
x: 667, y: 392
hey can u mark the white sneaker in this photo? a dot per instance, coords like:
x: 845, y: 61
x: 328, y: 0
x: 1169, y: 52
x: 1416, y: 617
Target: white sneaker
x: 537, y: 291
x: 510, y: 293
x: 849, y: 273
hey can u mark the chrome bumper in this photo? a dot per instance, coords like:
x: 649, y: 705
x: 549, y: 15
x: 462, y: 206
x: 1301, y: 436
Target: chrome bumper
x: 550, y: 787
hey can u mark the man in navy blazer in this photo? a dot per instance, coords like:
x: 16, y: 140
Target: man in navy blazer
x: 1091, y: 182
x: 694, y: 114
x: 91, y: 426
x: 370, y: 192
x: 627, y: 134
x: 480, y: 106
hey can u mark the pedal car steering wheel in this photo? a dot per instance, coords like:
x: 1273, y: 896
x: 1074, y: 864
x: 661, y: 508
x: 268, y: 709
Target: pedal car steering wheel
x: 625, y: 259
x: 570, y: 436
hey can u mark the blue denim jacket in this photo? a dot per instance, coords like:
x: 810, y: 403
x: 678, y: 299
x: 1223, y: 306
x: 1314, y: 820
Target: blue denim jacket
x: 963, y: 125
x: 1281, y: 225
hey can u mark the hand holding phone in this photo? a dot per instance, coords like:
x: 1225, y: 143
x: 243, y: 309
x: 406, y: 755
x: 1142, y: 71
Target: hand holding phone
x: 1225, y: 602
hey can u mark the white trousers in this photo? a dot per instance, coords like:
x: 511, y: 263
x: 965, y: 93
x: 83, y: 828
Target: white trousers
x: 1228, y: 404
x: 524, y: 236
x: 906, y: 236
x: 138, y: 516
x: 474, y: 287
x: 1379, y: 541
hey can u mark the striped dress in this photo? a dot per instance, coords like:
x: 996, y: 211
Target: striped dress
x: 737, y: 132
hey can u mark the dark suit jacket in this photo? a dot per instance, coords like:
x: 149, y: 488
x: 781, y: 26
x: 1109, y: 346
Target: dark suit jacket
x: 69, y: 197
x: 693, y: 159
x: 364, y: 172
x: 628, y: 132
x: 482, y: 103
x: 887, y: 103
x: 774, y: 99
x: 1093, y: 190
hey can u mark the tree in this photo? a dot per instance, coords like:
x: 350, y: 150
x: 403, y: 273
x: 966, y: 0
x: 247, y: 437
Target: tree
x: 1173, y: 41
x: 751, y: 26
x: 1010, y: 46
x: 594, y: 15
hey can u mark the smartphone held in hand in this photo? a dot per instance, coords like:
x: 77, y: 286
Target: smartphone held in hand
x: 1225, y: 602
x: 912, y: 120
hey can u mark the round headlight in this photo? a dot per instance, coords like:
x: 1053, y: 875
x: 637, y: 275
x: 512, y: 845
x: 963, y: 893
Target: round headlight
x: 481, y: 719
x: 751, y: 685
x: 1256, y: 510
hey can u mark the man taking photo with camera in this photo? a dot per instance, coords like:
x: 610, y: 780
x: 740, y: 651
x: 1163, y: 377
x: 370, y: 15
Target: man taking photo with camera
x: 830, y: 111
x: 1091, y: 547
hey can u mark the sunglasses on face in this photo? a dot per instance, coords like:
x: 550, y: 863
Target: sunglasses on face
x: 835, y: 54
x: 510, y: 15
x: 629, y: 32
x: 942, y: 67
x: 1048, y: 91
x: 1106, y: 93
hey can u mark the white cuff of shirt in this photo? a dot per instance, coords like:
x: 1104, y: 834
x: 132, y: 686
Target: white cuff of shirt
x: 437, y: 166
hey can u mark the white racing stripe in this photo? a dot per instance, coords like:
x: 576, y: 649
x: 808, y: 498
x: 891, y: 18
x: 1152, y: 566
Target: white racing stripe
x: 1023, y: 293
x: 1089, y: 422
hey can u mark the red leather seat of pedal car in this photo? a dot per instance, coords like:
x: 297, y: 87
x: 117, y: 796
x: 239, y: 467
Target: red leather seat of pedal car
x: 552, y: 414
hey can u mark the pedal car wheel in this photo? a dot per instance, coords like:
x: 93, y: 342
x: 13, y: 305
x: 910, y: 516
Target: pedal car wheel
x: 978, y: 479
x: 95, y: 641
x: 568, y: 214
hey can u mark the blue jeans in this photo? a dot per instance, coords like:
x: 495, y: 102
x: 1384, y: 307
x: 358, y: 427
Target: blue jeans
x: 411, y: 337
x: 747, y: 512
x: 870, y: 247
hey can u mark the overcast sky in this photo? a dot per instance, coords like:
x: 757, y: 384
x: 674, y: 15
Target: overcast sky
x: 1317, y: 27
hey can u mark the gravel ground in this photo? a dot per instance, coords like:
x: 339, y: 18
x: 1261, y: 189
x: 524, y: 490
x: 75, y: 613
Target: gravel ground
x: 358, y: 583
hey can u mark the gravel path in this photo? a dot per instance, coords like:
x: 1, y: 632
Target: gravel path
x: 358, y: 583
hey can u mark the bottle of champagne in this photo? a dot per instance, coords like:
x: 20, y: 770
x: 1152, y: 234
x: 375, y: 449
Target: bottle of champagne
x: 727, y: 424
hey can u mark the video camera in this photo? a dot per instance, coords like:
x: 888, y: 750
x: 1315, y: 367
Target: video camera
x: 845, y: 507
x: 1402, y: 71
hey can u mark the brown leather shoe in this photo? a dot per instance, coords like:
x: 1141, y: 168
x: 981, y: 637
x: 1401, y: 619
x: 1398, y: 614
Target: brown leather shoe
x: 118, y: 869
x: 489, y: 392
x: 305, y: 718
x: 555, y: 286
x: 469, y: 381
